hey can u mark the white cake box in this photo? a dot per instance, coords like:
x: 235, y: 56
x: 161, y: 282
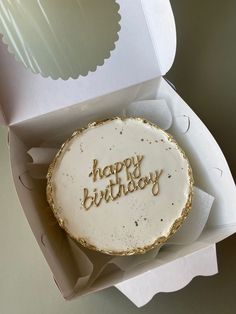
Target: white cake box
x: 38, y: 109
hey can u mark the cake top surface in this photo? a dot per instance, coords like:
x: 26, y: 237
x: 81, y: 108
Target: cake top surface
x: 120, y: 186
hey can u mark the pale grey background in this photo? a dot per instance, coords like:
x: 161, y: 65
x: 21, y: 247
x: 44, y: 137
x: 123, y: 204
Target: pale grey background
x: 204, y: 74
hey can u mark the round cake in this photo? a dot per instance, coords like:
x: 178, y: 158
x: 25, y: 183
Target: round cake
x: 120, y: 186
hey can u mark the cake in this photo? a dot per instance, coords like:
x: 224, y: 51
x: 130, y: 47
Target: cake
x: 120, y: 186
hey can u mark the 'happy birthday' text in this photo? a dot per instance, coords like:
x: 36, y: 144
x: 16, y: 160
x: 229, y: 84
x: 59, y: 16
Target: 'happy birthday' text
x: 131, y: 167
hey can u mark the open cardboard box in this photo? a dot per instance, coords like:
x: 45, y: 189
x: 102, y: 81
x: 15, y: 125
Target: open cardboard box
x: 38, y: 109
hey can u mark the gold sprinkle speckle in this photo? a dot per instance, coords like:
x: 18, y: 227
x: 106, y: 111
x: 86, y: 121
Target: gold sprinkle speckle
x: 138, y: 250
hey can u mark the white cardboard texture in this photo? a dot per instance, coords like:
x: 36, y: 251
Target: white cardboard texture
x: 142, y: 25
x: 34, y: 96
x: 156, y: 88
x: 213, y: 176
x: 159, y: 113
x: 170, y: 277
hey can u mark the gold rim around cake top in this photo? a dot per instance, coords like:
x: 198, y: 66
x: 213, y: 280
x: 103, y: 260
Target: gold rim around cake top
x: 138, y: 250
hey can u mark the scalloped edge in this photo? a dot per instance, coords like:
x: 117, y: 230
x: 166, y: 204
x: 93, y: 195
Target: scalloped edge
x: 209, y: 256
x: 92, y: 70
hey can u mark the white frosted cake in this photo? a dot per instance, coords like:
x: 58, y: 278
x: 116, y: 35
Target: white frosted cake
x: 120, y: 186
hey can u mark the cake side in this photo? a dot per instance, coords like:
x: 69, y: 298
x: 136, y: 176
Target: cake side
x: 120, y: 186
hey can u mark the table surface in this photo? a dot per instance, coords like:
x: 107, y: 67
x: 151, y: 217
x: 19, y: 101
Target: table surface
x: 205, y: 60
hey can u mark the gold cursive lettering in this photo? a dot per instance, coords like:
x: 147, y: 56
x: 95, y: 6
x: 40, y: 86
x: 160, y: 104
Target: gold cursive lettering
x: 96, y: 171
x: 88, y: 200
x: 116, y: 188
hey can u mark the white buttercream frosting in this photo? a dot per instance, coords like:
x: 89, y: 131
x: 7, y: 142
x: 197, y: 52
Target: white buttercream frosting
x: 123, y: 222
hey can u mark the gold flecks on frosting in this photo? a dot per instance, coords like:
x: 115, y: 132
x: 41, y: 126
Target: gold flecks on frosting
x: 50, y: 191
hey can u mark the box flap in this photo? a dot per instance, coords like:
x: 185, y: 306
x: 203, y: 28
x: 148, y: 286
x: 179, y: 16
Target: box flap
x: 145, y: 50
x: 195, y: 139
x: 161, y: 25
x: 141, y: 289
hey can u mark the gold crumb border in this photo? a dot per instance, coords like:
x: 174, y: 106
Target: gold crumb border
x: 135, y: 251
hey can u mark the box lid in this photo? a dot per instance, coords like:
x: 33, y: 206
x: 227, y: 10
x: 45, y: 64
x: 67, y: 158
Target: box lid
x: 145, y: 49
